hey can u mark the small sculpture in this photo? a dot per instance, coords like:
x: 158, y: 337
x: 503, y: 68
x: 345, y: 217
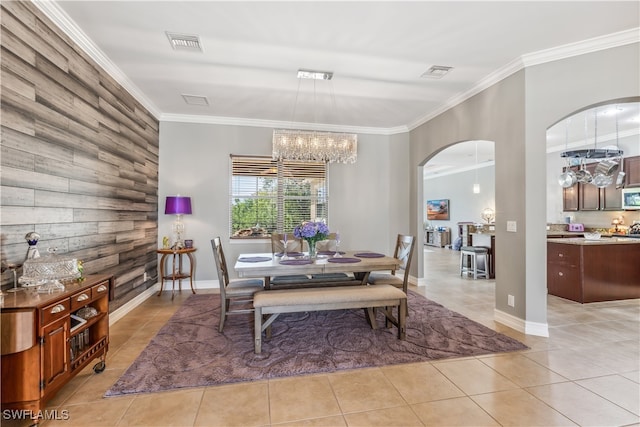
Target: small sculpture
x: 32, y: 239
x: 165, y: 242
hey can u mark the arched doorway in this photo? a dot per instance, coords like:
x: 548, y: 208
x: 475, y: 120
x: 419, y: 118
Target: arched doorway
x: 452, y: 175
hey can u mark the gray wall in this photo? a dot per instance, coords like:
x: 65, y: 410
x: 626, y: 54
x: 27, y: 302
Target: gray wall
x: 367, y: 199
x: 515, y: 114
x: 464, y: 205
x: 79, y: 157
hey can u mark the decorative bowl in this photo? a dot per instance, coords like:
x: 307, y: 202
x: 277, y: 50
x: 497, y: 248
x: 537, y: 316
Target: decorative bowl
x: 592, y: 236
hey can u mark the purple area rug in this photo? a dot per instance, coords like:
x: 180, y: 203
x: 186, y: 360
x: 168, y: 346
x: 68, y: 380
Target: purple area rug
x: 190, y: 352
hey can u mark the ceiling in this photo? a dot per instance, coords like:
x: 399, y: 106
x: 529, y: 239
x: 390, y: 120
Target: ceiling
x: 251, y: 52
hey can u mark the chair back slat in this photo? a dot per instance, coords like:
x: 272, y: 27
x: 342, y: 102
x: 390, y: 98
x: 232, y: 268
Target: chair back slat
x: 404, y: 252
x: 293, y: 244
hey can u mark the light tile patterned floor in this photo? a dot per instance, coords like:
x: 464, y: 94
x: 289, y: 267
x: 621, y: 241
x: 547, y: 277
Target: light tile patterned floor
x: 585, y: 373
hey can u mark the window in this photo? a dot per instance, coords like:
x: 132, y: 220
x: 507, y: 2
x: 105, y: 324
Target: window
x: 268, y: 196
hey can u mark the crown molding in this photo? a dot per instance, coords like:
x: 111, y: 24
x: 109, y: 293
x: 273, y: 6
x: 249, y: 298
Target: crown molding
x: 237, y: 121
x: 583, y: 47
x: 60, y: 18
x: 536, y: 58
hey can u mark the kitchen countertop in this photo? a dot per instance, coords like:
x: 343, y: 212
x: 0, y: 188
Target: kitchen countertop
x: 621, y: 240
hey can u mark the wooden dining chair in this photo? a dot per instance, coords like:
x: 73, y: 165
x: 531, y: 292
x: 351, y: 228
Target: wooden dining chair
x: 404, y: 252
x: 293, y: 244
x: 233, y: 293
x: 329, y: 244
x: 277, y: 247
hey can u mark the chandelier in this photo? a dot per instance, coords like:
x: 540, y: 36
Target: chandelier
x: 312, y: 145
x: 305, y: 145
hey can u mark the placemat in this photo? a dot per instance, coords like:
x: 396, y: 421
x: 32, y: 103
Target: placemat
x: 344, y: 260
x: 330, y: 252
x: 296, y: 261
x: 369, y: 255
x: 254, y: 259
x: 290, y: 254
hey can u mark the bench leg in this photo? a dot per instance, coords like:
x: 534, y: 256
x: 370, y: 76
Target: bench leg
x: 257, y: 330
x: 371, y: 317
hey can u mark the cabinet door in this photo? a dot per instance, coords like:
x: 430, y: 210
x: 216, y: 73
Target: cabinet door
x: 589, y: 194
x: 55, y: 353
x: 570, y: 198
x: 611, y: 198
x: 632, y: 170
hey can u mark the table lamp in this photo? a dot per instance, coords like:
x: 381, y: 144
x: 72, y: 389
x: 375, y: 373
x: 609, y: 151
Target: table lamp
x: 178, y: 206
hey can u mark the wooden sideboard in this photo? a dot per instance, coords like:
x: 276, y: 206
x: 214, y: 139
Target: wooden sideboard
x: 43, y: 348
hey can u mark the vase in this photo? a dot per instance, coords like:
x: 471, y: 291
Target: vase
x: 312, y: 249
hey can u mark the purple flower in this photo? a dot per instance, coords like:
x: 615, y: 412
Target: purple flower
x: 311, y: 230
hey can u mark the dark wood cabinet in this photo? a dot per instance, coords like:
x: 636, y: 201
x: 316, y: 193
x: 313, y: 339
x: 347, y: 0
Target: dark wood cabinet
x: 632, y: 171
x: 42, y: 350
x: 589, y: 194
x: 591, y: 272
x: 611, y: 198
x: 570, y: 198
x: 588, y: 197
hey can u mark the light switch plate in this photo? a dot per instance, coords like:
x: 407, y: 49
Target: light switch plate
x: 512, y: 226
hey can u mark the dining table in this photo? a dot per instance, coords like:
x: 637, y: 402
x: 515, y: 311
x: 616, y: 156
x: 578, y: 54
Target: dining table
x: 359, y: 263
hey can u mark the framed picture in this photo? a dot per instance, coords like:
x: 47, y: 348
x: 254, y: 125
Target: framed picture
x: 438, y: 209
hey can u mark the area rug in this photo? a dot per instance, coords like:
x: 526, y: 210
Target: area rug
x: 190, y: 352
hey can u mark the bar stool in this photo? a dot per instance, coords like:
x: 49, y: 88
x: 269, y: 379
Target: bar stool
x: 472, y: 253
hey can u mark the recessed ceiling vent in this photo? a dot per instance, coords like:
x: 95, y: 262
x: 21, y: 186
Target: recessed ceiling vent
x: 196, y: 100
x: 184, y: 42
x: 437, y: 72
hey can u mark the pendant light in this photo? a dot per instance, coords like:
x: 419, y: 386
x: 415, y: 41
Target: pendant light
x: 476, y: 186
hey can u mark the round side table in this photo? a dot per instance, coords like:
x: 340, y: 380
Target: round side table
x: 176, y: 272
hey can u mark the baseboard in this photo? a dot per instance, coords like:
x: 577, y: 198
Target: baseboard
x: 120, y: 312
x: 207, y: 284
x: 520, y: 325
x: 418, y: 281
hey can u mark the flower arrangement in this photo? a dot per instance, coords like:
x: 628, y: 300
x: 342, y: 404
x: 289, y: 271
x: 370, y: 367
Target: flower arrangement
x: 312, y: 232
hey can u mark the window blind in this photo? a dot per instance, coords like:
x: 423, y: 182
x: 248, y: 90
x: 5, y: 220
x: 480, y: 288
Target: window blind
x: 274, y: 196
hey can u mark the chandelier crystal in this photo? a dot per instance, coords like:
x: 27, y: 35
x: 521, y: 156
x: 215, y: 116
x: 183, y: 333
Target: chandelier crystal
x: 305, y: 145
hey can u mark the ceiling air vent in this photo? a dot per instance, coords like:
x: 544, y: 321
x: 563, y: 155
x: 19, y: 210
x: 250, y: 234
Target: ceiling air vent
x: 437, y: 72
x: 196, y: 100
x: 184, y: 42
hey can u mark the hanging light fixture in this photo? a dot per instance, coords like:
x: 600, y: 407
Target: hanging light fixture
x: 476, y: 186
x: 311, y: 145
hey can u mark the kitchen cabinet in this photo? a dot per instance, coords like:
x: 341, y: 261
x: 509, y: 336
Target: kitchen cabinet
x: 590, y: 271
x: 588, y: 197
x: 42, y: 350
x: 611, y: 198
x: 589, y: 194
x: 632, y: 171
x: 570, y: 198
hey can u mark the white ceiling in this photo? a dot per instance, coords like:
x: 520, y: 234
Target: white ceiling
x: 376, y: 50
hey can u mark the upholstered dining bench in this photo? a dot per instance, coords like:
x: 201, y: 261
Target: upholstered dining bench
x: 275, y: 302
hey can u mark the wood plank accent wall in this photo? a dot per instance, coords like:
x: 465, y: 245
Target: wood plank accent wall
x: 79, y: 157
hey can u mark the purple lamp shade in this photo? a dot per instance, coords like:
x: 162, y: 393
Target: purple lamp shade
x: 178, y: 205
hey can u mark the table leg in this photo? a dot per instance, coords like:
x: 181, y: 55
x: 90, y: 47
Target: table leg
x: 162, y: 273
x: 191, y: 268
x: 173, y: 277
x: 180, y: 272
x: 267, y: 282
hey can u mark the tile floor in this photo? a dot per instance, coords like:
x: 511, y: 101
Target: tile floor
x: 585, y: 373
